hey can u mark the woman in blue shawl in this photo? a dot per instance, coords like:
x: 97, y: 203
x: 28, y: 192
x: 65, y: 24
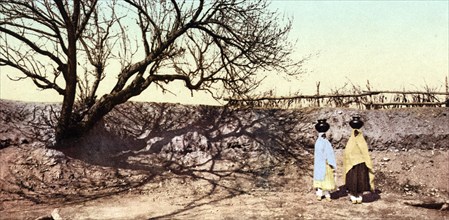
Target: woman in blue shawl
x: 324, y: 164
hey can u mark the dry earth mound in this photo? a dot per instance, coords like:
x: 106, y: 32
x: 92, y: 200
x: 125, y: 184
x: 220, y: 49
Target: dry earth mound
x: 159, y: 160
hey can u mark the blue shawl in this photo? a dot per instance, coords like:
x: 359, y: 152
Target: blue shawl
x: 323, y: 153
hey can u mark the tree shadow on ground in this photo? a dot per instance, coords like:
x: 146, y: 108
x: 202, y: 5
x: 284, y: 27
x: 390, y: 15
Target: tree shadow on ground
x: 138, y: 143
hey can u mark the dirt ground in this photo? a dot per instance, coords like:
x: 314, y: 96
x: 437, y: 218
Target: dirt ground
x: 236, y: 182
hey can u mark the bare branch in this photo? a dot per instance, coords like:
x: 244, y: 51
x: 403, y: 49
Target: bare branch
x: 217, y: 46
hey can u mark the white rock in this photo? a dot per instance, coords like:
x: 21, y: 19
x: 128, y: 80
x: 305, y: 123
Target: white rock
x: 55, y: 215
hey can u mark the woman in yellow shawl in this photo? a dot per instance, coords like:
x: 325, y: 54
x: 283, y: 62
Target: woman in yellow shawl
x: 358, y: 167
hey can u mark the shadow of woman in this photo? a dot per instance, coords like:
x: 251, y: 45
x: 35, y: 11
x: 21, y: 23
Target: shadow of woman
x: 367, y: 197
x: 341, y: 192
x: 371, y: 196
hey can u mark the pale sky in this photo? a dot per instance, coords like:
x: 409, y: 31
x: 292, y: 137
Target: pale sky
x: 395, y: 45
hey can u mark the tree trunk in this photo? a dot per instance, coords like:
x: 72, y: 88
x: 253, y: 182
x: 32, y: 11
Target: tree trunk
x: 63, y: 129
x: 106, y: 104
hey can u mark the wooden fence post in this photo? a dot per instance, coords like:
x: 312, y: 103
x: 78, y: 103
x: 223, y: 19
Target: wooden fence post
x: 447, y: 93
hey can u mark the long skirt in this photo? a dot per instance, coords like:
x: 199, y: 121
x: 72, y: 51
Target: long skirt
x: 357, y: 179
x: 329, y: 181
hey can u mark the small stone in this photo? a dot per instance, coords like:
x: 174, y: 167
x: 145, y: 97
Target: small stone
x: 385, y: 159
x: 55, y: 214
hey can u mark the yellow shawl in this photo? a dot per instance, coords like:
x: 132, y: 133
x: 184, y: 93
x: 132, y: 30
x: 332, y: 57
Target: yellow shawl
x: 356, y: 152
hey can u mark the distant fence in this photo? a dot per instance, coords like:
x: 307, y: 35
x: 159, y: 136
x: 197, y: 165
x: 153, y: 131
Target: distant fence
x: 361, y: 100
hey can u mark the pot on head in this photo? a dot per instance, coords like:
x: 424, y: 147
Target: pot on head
x: 322, y: 125
x: 356, y: 123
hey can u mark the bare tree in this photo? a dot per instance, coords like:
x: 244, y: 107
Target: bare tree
x: 67, y: 45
